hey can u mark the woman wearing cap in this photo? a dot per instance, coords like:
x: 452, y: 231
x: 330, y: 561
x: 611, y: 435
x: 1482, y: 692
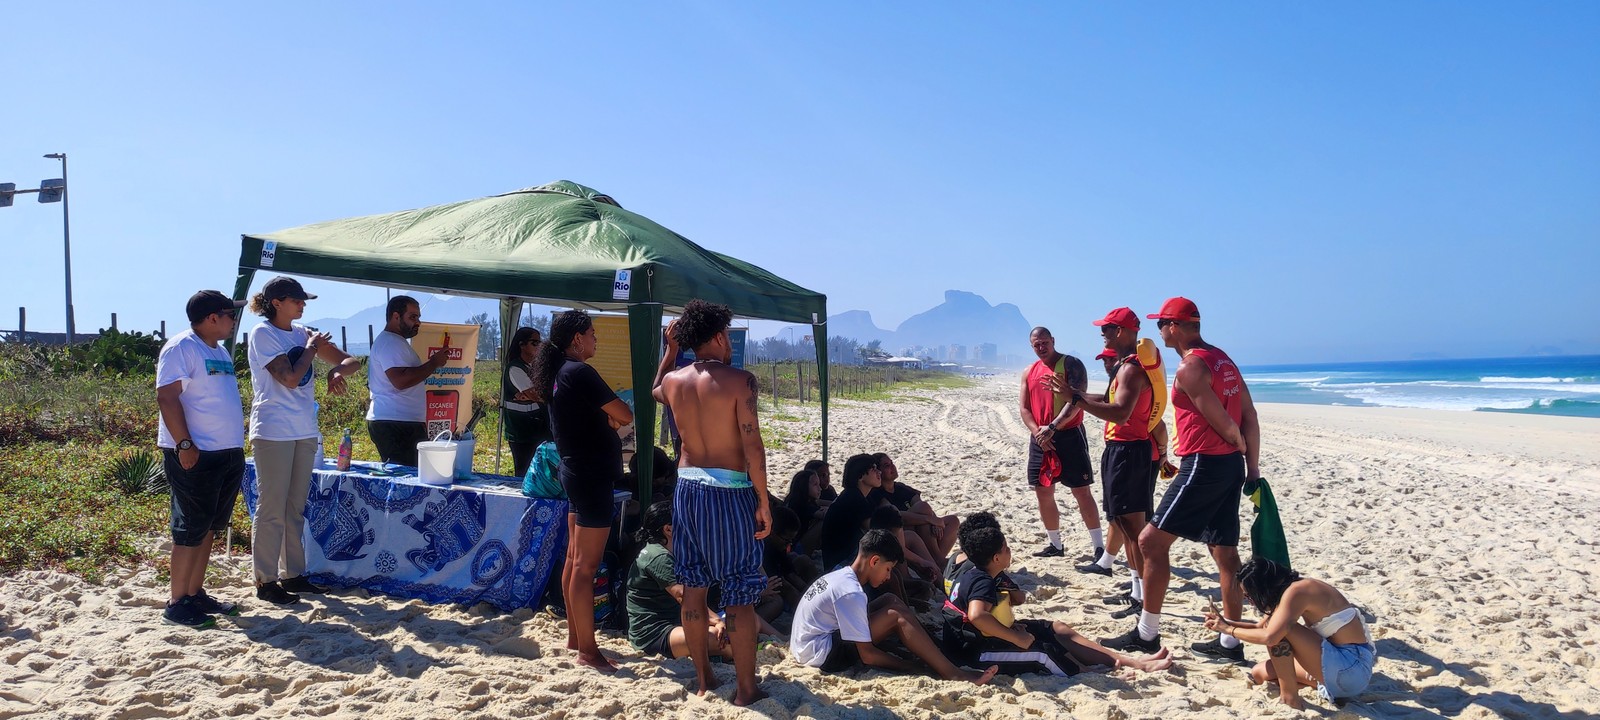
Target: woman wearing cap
x: 526, y: 420
x: 283, y: 432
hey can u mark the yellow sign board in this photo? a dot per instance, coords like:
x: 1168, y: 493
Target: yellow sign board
x: 449, y: 387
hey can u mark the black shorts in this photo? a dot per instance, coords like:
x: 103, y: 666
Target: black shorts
x: 1202, y: 503
x: 842, y: 655
x: 1072, y: 448
x: 589, y: 496
x: 203, y: 496
x: 1046, y: 656
x: 662, y: 645
x: 1127, y: 479
x: 396, y: 440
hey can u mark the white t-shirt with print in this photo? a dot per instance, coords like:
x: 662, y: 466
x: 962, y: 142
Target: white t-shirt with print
x: 212, y: 407
x: 278, y: 412
x: 834, y: 602
x: 388, y: 403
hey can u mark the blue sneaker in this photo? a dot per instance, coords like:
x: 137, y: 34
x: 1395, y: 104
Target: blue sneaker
x: 183, y: 612
x: 207, y: 604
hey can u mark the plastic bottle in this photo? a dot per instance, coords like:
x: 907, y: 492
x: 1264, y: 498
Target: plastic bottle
x: 320, y: 460
x: 344, y: 451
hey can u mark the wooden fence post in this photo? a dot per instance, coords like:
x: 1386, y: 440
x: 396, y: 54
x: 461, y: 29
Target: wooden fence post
x: 113, y: 321
x: 369, y: 339
x: 22, y: 324
x: 800, y: 381
x: 344, y: 343
x: 774, y: 386
x: 163, y: 329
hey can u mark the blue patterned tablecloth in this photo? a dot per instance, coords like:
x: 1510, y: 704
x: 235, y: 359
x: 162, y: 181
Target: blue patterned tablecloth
x: 380, y: 528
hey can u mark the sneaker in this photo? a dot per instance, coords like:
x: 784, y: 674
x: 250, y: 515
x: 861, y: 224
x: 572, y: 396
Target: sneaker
x: 1132, y: 641
x: 1094, y: 569
x: 1049, y: 551
x: 274, y: 593
x: 207, y: 604
x: 302, y: 585
x: 1123, y: 600
x: 1213, y: 649
x: 1129, y: 611
x: 183, y: 612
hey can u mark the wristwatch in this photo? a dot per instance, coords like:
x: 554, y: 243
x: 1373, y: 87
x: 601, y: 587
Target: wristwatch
x: 185, y: 444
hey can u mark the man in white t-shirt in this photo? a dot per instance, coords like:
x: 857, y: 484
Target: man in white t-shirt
x: 395, y: 375
x: 202, y: 445
x: 835, y: 627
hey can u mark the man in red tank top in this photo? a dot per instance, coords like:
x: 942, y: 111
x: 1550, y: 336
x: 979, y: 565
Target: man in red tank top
x: 1218, y: 439
x: 1058, y: 450
x: 1127, y: 478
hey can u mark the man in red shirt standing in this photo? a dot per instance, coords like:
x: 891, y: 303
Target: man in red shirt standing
x: 1058, y: 450
x: 1219, y: 441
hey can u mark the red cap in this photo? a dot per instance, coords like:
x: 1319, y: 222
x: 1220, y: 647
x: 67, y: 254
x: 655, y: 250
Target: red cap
x: 1178, y: 308
x: 1106, y: 354
x: 1120, y: 317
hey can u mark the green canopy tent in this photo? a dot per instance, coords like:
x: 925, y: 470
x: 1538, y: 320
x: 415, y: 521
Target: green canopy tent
x: 556, y: 244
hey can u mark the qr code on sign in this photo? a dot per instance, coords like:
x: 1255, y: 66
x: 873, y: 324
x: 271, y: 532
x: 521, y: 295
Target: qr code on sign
x: 437, y: 428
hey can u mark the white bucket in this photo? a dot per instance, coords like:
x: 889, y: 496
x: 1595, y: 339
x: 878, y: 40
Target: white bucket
x: 436, y: 461
x: 464, y: 450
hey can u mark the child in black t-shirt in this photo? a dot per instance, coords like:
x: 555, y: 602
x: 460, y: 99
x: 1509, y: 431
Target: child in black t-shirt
x: 979, y: 625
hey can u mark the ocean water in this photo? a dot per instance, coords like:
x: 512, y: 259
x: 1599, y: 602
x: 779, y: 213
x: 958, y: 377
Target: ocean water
x: 1560, y: 385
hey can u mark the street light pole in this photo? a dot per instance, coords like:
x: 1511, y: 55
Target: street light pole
x: 66, y: 239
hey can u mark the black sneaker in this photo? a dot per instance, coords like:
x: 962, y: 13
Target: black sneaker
x: 1213, y: 649
x: 1123, y: 600
x: 302, y: 585
x: 207, y: 604
x: 183, y: 612
x: 1129, y: 611
x: 1049, y: 551
x: 274, y: 593
x: 1094, y: 569
x: 1132, y: 641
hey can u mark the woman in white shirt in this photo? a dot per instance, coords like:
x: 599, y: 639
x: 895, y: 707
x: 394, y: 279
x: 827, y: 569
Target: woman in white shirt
x: 283, y: 433
x: 527, y: 422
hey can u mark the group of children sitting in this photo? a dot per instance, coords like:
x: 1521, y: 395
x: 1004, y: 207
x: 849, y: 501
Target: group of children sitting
x: 850, y: 566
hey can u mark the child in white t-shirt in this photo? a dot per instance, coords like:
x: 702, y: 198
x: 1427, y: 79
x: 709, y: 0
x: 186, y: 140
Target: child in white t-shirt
x: 835, y: 626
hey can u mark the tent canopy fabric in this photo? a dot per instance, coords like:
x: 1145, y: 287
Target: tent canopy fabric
x: 556, y: 244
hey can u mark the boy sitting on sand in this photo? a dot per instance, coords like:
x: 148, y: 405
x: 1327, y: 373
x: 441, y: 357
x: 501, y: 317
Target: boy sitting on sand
x: 979, y: 624
x: 835, y: 627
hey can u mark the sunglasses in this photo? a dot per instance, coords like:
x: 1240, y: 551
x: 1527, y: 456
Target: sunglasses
x: 1164, y: 323
x: 1109, y: 329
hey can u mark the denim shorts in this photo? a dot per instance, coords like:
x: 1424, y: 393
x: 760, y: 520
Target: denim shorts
x: 1346, y: 669
x: 203, y: 496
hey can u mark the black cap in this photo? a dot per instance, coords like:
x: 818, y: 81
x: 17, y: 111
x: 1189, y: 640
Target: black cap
x: 282, y: 287
x: 206, y: 302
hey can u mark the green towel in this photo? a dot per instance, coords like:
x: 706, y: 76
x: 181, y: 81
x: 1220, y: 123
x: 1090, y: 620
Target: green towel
x: 1266, y: 533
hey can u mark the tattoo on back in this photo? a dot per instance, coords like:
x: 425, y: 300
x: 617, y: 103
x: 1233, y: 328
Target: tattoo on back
x: 755, y: 392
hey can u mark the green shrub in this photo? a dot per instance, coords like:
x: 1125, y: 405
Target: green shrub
x: 137, y: 472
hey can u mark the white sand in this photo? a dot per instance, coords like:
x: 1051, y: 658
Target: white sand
x: 1471, y: 537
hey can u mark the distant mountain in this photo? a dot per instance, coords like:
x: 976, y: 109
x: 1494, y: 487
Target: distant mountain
x: 967, y: 319
x: 857, y: 324
x: 435, y: 308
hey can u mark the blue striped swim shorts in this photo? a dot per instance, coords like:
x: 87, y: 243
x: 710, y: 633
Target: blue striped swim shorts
x: 714, y: 538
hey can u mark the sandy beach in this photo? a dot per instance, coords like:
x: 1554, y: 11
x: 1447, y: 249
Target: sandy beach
x: 1469, y: 538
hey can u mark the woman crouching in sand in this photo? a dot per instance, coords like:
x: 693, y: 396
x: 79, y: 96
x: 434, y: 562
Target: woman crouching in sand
x: 1332, y: 651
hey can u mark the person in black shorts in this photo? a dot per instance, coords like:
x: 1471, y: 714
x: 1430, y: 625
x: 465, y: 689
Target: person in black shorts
x: 1126, y: 469
x: 1218, y: 437
x: 979, y: 625
x: 584, y: 416
x: 1058, y: 449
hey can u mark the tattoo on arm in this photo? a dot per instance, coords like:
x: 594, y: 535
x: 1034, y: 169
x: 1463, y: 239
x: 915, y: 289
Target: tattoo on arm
x: 693, y: 614
x: 748, y: 428
x: 1282, y: 649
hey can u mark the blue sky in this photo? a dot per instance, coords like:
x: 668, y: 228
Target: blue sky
x: 1329, y: 182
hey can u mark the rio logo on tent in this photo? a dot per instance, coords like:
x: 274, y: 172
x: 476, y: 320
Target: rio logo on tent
x: 622, y: 285
x: 269, y: 254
